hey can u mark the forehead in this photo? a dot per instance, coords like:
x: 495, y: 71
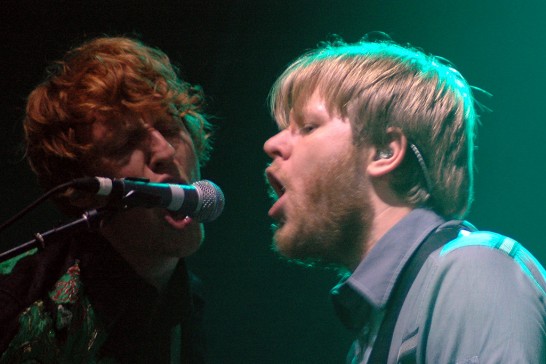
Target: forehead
x: 309, y: 105
x: 312, y: 105
x: 109, y: 127
x: 105, y: 131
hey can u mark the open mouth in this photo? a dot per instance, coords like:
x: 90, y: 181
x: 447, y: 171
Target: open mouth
x: 276, y: 191
x: 277, y: 188
x: 178, y: 222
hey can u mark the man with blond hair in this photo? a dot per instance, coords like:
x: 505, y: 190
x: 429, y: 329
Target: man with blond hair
x: 372, y: 173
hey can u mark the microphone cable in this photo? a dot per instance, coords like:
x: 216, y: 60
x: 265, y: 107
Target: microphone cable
x: 34, y: 204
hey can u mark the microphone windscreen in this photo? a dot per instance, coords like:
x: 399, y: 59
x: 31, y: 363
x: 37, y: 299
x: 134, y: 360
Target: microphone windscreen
x: 212, y: 201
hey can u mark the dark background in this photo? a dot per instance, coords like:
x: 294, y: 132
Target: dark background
x: 260, y: 308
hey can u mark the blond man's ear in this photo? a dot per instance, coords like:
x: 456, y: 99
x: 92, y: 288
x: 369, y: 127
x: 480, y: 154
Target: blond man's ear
x: 385, y: 159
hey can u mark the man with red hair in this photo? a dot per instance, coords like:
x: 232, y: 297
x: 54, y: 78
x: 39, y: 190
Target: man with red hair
x: 116, y: 108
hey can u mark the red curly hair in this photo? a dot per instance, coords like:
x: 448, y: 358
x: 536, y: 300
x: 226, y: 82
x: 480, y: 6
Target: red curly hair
x: 121, y: 83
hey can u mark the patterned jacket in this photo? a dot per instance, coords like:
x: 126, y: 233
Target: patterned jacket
x: 78, y: 301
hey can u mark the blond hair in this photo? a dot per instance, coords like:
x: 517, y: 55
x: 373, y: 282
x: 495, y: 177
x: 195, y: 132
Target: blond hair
x: 378, y: 85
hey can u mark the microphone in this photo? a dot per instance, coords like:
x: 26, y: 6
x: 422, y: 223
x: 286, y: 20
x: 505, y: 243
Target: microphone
x: 202, y: 200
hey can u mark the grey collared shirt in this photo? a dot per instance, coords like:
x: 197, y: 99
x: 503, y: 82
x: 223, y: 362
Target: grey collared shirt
x: 479, y: 299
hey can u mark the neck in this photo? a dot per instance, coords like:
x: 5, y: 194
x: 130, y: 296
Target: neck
x: 154, y: 268
x: 386, y: 215
x: 385, y: 219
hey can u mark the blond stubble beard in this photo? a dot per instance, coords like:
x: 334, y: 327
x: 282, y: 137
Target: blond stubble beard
x: 329, y: 224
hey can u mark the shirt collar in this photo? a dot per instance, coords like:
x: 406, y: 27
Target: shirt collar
x: 113, y: 288
x: 374, y: 278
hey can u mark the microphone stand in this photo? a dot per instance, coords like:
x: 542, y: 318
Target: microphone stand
x: 89, y: 220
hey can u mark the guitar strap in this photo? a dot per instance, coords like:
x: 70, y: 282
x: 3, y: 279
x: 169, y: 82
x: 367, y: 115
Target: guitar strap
x: 434, y: 241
